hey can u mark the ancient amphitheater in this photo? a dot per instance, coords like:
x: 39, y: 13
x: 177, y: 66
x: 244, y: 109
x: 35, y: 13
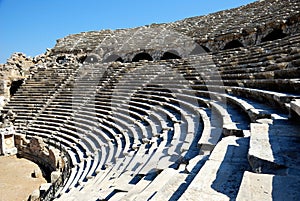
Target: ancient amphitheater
x: 206, y: 108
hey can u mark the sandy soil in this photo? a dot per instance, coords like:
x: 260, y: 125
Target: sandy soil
x: 16, y: 181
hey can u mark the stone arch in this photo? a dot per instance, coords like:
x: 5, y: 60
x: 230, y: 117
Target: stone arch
x: 233, y: 44
x: 91, y: 59
x: 113, y: 58
x: 173, y: 54
x: 14, y: 86
x: 61, y: 59
x: 274, y: 35
x: 142, y: 56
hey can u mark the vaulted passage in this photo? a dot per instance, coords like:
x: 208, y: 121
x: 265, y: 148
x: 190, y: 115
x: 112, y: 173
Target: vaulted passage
x: 91, y: 59
x: 170, y: 55
x: 274, y: 35
x: 233, y: 44
x: 61, y: 59
x: 142, y: 56
x: 15, y: 85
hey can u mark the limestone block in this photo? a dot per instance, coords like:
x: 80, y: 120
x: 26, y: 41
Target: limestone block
x: 45, y: 187
x: 54, y: 176
x: 54, y: 158
x: 295, y: 106
x: 35, y: 195
x: 268, y: 187
x: 263, y: 155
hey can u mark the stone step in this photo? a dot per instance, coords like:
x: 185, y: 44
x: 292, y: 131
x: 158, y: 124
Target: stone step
x: 262, y: 153
x: 221, y: 175
x: 295, y: 106
x: 268, y: 187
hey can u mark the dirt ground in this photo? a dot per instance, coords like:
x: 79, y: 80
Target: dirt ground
x: 16, y: 181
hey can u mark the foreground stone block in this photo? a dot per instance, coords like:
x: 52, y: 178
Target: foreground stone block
x: 35, y: 195
x: 295, y: 106
x: 55, y: 176
x: 220, y: 177
x: 268, y: 187
x: 263, y: 155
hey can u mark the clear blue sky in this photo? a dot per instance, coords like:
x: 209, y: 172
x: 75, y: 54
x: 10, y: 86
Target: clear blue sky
x: 31, y: 26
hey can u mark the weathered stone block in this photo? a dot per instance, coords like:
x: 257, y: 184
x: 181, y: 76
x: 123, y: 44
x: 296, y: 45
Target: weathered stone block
x: 263, y: 155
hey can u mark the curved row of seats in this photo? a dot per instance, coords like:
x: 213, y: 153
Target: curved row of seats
x: 109, y: 182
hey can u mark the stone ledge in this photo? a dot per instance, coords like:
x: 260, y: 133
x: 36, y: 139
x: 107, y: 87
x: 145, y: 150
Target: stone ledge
x: 263, y: 155
x: 295, y: 106
x: 268, y: 187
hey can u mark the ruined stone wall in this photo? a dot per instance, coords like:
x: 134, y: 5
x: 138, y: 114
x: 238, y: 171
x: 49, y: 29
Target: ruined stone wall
x: 36, y: 150
x: 247, y: 24
x: 19, y: 67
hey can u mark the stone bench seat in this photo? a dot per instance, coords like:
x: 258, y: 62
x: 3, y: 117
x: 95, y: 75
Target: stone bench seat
x: 180, y: 139
x: 253, y: 112
x: 253, y: 57
x: 202, y: 100
x: 139, y: 118
x: 291, y: 85
x: 190, y: 128
x: 31, y: 97
x: 141, y: 102
x: 229, y: 127
x: 275, y: 98
x: 222, y: 173
x: 24, y: 104
x: 278, y: 138
x: 131, y: 112
x: 134, y: 123
x: 270, y: 187
x: 161, y: 180
x: 295, y: 106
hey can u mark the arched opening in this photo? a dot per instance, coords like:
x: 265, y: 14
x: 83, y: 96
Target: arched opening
x: 91, y: 59
x: 113, y: 58
x: 61, y: 59
x: 200, y: 49
x: 274, y: 35
x: 170, y: 55
x: 142, y: 56
x: 15, y: 85
x: 233, y: 44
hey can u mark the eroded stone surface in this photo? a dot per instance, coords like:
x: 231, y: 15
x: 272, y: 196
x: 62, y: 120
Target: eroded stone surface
x: 268, y: 187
